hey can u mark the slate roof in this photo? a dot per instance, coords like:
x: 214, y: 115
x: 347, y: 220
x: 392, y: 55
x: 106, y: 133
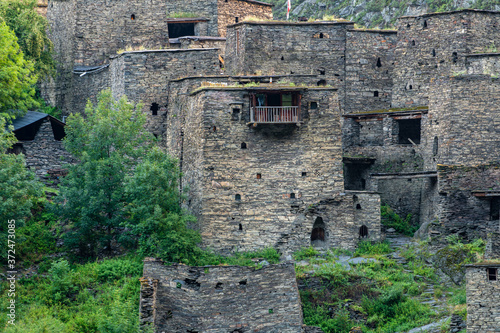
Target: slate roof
x: 30, y: 118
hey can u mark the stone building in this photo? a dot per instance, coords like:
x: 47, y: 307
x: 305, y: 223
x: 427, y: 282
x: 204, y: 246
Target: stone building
x: 39, y: 139
x: 263, y: 164
x: 294, y: 133
x: 180, y: 298
x: 483, y: 297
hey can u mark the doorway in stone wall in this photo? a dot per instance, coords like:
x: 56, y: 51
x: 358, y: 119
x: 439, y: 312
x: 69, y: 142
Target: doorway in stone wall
x: 318, y: 238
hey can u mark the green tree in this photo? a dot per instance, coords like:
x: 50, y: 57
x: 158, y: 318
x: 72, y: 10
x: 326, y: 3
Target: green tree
x: 17, y: 78
x: 31, y: 30
x: 108, y: 143
x: 156, y: 222
x: 19, y: 190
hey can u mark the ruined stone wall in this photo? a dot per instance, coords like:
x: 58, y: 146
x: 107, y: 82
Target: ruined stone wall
x: 434, y: 45
x: 234, y: 11
x: 484, y: 63
x: 145, y: 76
x: 369, y: 65
x: 44, y: 152
x: 200, y: 8
x: 181, y: 298
x: 87, y: 87
x: 464, y: 127
x: 289, y: 48
x: 105, y: 26
x: 483, y: 297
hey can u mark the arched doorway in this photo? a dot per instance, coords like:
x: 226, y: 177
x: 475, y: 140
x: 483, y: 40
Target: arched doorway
x: 318, y: 233
x: 363, y: 231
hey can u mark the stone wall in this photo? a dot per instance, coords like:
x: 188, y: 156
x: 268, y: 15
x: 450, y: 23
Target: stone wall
x: 181, y: 298
x: 234, y: 11
x: 61, y: 16
x: 483, y: 297
x: 464, y: 128
x: 460, y: 211
x: 434, y: 45
x: 369, y: 65
x: 289, y: 48
x: 143, y: 76
x: 45, y: 153
x: 200, y: 8
x: 105, y: 26
x: 87, y: 87
x: 492, y: 250
x: 483, y: 63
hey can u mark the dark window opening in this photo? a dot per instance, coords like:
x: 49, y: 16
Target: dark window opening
x: 321, y: 35
x: 408, y: 25
x: 304, y: 174
x: 282, y: 58
x: 218, y: 285
x: 236, y: 110
x: 292, y: 195
x: 495, y: 208
x: 411, y: 87
x: 17, y: 149
x: 375, y: 93
x: 259, y: 176
x: 154, y: 109
x: 237, y: 197
x: 354, y: 176
x: 425, y: 24
x: 321, y: 83
x: 409, y: 129
x: 454, y: 57
x: 314, y: 105
x: 236, y: 19
x: 176, y: 30
x: 155, y: 135
x: 243, y: 282
x: 132, y: 17
x: 433, y: 52
x: 318, y: 231
x: 379, y: 64
x: 240, y: 227
x: 435, y: 146
x: 363, y: 231
x: 243, y: 145
x: 492, y: 274
x: 321, y: 71
x: 235, y: 115
x: 413, y: 43
x: 358, y: 206
x: 214, y: 128
x: 409, y: 179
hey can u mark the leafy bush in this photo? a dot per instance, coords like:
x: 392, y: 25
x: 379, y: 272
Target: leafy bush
x: 367, y: 247
x: 390, y: 219
x: 116, y: 269
x: 61, y: 287
x: 305, y: 253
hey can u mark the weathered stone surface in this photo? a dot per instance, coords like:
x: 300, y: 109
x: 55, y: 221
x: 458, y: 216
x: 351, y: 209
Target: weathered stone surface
x: 181, y: 298
x: 483, y: 297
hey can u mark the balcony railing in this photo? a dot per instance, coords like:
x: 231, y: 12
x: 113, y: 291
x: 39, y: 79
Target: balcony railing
x: 274, y: 114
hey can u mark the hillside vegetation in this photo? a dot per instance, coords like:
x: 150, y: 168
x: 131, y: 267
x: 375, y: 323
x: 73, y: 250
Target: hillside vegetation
x: 374, y: 13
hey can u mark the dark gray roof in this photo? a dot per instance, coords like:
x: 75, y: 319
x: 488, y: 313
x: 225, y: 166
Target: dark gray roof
x: 30, y: 118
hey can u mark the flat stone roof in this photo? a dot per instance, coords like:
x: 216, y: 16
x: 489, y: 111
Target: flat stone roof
x: 290, y: 23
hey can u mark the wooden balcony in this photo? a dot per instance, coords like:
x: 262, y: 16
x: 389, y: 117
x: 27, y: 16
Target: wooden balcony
x: 275, y: 115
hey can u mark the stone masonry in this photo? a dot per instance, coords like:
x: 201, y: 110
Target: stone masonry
x: 181, y: 298
x: 483, y: 297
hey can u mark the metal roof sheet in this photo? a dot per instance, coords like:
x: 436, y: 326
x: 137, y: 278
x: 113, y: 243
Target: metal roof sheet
x: 30, y: 118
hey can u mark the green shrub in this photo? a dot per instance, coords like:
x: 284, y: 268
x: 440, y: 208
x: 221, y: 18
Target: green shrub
x: 305, y: 253
x: 61, y: 287
x: 367, y: 247
x: 116, y: 269
x: 390, y: 219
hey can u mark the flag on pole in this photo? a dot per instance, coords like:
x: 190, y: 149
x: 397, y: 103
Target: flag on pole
x: 288, y: 7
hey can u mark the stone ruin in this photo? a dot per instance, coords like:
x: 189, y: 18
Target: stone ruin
x: 236, y: 299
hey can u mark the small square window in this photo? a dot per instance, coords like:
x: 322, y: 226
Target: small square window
x: 314, y: 105
x: 492, y: 274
